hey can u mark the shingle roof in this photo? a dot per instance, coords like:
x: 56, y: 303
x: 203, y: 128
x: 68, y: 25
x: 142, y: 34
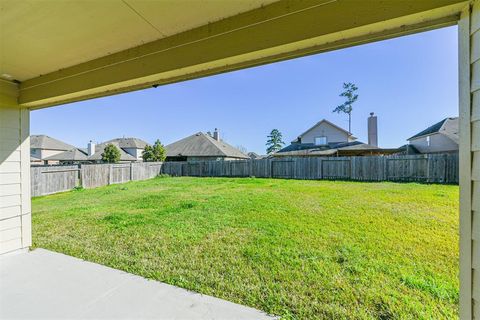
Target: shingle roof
x: 448, y: 127
x: 351, y: 148
x: 309, y: 146
x: 128, y: 143
x: 101, y: 147
x: 70, y: 155
x: 254, y: 155
x: 202, y: 145
x: 45, y: 142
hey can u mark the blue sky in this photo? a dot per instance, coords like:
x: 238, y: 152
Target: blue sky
x: 409, y: 82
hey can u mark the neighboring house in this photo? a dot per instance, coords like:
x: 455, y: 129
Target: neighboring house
x: 96, y: 155
x: 328, y: 139
x: 73, y: 156
x: 46, y: 150
x: 323, y: 133
x: 201, y: 146
x: 254, y: 155
x: 43, y: 147
x: 440, y: 137
x: 35, y: 161
x: 132, y: 146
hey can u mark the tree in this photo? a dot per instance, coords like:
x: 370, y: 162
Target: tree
x: 111, y: 154
x: 242, y: 149
x: 156, y: 152
x: 274, y: 142
x: 346, y: 107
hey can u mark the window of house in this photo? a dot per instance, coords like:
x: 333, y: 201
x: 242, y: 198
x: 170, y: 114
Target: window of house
x: 320, y: 140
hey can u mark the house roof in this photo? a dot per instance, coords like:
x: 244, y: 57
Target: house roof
x: 254, y: 155
x: 350, y: 148
x: 42, y: 141
x: 202, y: 145
x: 101, y: 147
x: 74, y: 154
x: 330, y: 123
x: 310, y: 146
x: 448, y: 127
x: 34, y: 159
x: 128, y: 143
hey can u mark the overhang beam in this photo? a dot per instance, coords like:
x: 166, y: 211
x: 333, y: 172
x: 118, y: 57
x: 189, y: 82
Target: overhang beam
x: 282, y: 30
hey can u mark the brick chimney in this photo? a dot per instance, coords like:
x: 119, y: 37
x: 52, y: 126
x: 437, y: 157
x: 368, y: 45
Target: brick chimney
x: 216, y: 134
x: 372, y: 130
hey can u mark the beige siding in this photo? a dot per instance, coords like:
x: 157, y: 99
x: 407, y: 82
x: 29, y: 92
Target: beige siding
x: 325, y: 130
x: 469, y: 63
x: 15, y: 205
x: 45, y: 153
x: 438, y: 143
x: 475, y: 150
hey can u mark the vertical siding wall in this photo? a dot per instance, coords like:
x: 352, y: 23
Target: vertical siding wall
x: 15, y: 209
x: 474, y: 154
x: 469, y: 71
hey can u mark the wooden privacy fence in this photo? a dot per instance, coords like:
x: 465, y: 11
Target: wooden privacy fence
x: 432, y: 168
x: 52, y: 179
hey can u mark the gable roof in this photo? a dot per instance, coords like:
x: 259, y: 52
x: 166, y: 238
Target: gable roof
x: 127, y: 143
x: 70, y: 155
x: 312, y: 146
x: 101, y: 147
x: 450, y: 129
x: 202, y: 145
x: 340, y: 148
x: 447, y: 126
x: 330, y: 123
x: 42, y: 141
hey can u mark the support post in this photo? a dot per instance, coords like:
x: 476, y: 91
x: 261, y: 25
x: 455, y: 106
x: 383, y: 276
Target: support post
x: 15, y: 206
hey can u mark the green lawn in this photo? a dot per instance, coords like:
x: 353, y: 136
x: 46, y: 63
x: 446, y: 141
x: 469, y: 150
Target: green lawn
x: 299, y: 249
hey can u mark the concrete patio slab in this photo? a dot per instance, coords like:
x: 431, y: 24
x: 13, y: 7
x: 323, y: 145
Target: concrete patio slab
x: 46, y: 285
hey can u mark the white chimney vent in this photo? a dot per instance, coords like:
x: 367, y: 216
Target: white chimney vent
x: 91, y: 148
x: 372, y: 130
x: 216, y: 134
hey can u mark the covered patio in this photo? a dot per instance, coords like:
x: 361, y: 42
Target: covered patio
x: 48, y: 285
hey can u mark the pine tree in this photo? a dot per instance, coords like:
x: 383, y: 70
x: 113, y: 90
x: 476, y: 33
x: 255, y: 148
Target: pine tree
x: 347, y: 107
x: 274, y: 142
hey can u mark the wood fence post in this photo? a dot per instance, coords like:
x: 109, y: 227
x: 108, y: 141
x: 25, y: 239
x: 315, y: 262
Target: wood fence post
x: 110, y: 169
x: 80, y: 175
x: 429, y: 157
x: 131, y: 171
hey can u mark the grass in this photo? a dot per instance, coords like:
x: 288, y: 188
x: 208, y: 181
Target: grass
x: 299, y: 249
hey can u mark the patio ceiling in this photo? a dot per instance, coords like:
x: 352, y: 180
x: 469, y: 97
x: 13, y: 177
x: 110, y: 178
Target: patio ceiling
x: 39, y: 37
x: 60, y: 52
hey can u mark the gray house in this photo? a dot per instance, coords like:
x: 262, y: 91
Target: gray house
x: 94, y: 152
x: 201, y: 146
x: 131, y: 146
x: 323, y: 133
x: 51, y: 151
x: 72, y: 156
x: 328, y: 139
x: 440, y: 137
x: 42, y: 147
